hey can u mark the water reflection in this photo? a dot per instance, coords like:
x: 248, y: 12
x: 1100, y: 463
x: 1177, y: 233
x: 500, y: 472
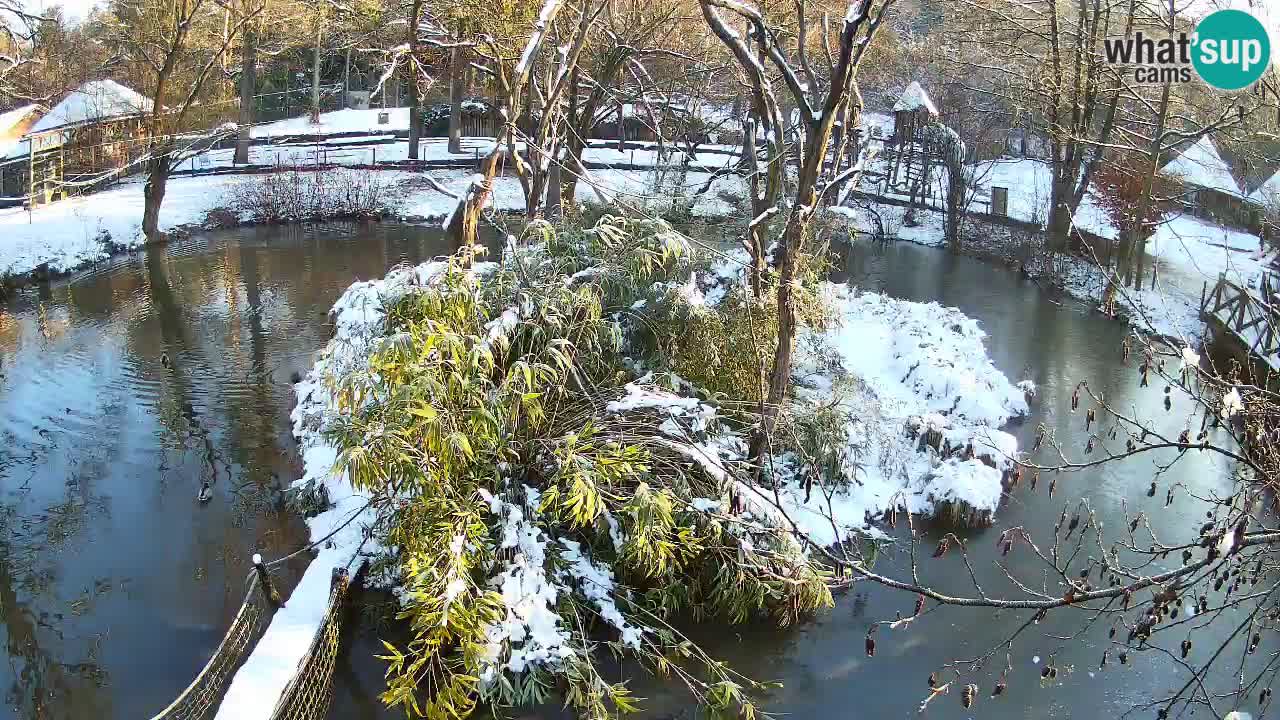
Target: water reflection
x: 122, y: 392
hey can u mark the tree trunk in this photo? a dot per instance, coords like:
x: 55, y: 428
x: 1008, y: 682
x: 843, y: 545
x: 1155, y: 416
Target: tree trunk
x: 248, y: 88
x: 1060, y: 212
x: 456, y: 76
x: 315, y: 78
x: 806, y: 199
x: 153, y: 194
x: 415, y: 110
x: 554, y: 191
x: 1140, y: 262
x: 415, y: 122
x: 622, y: 127
x: 346, y: 81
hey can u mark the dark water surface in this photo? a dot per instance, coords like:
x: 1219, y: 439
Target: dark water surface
x: 116, y: 583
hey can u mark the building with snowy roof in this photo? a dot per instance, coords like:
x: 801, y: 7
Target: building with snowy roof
x: 13, y: 150
x: 87, y: 139
x: 1209, y: 189
x: 1266, y: 203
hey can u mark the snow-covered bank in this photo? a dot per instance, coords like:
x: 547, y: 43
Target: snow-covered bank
x: 358, y: 318
x: 901, y: 369
x: 73, y: 233
x: 1185, y: 253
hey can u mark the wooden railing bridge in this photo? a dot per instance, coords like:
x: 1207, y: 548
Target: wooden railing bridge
x: 1250, y: 317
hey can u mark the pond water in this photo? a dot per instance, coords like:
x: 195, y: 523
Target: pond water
x: 125, y: 388
x: 1057, y: 342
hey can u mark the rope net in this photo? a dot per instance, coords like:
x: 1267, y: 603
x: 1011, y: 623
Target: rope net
x: 200, y: 699
x: 310, y: 692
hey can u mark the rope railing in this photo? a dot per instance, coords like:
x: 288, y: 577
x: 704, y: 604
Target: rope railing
x: 201, y: 697
x: 310, y: 690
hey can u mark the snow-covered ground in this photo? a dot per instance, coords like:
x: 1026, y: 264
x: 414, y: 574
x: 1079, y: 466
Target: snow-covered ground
x: 72, y: 233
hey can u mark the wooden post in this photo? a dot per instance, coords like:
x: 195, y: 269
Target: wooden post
x: 264, y: 578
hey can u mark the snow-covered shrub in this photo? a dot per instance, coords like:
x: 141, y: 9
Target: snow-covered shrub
x: 720, y: 349
x: 708, y: 328
x: 542, y: 506
x: 299, y: 196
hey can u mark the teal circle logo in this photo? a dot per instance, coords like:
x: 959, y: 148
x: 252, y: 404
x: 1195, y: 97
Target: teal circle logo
x: 1231, y: 49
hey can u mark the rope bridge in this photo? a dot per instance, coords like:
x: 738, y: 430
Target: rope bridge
x: 310, y: 691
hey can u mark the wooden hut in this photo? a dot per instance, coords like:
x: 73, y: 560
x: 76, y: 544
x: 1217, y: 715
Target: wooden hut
x: 90, y: 138
x: 13, y: 151
x: 913, y: 112
x: 1209, y: 189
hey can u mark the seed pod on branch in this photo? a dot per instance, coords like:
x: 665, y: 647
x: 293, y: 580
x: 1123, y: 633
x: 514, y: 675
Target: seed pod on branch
x: 968, y: 695
x: 943, y: 546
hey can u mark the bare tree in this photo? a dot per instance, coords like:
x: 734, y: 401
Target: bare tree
x: 464, y: 223
x: 16, y: 31
x: 247, y: 83
x: 861, y: 21
x: 174, y: 48
x: 1052, y: 65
